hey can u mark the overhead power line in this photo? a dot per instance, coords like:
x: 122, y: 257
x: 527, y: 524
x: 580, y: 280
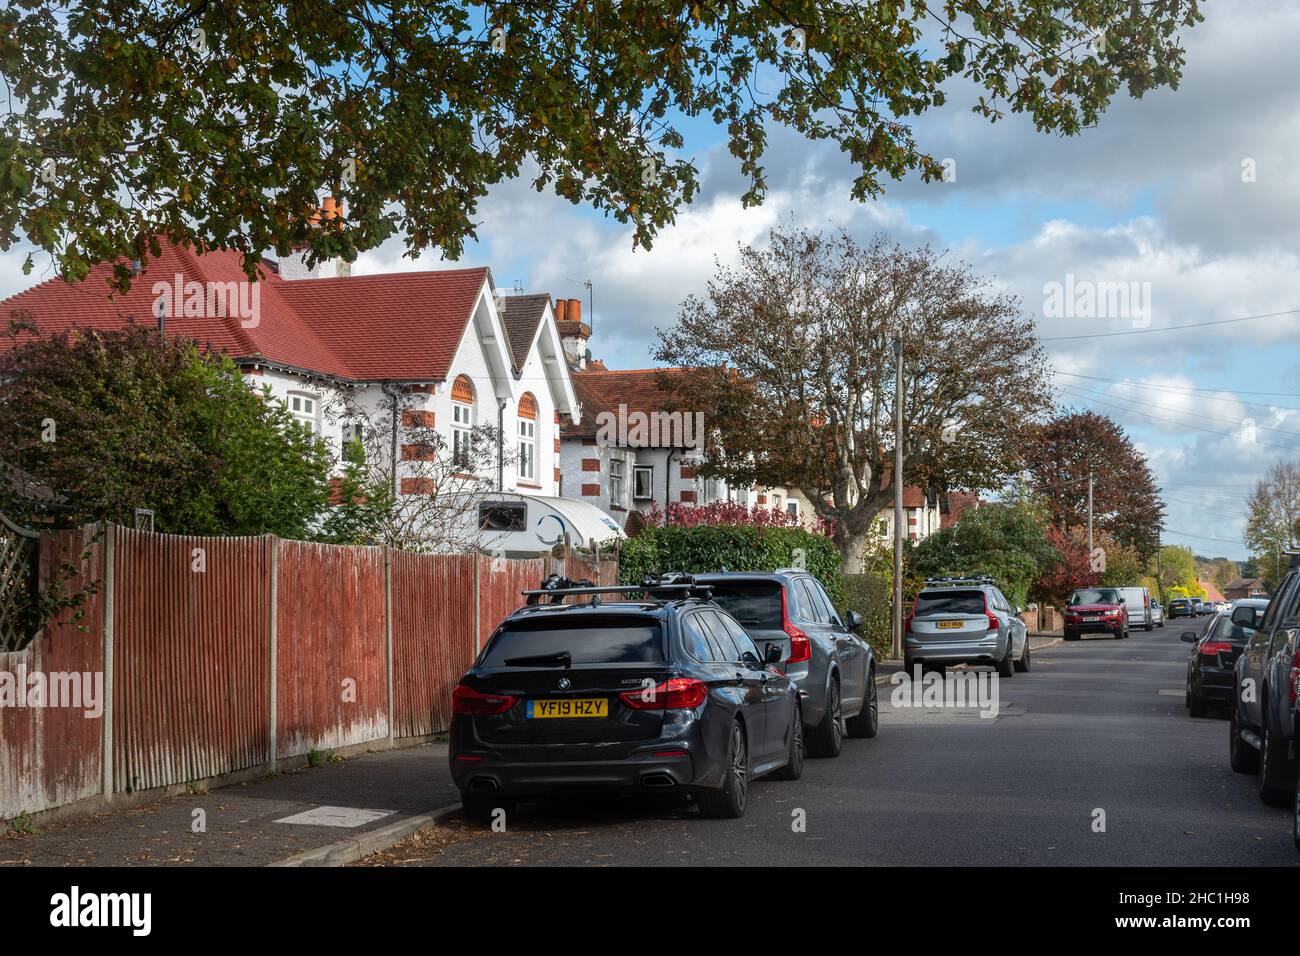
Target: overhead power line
x: 1168, y: 328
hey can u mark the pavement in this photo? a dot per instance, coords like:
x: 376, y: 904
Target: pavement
x: 241, y: 824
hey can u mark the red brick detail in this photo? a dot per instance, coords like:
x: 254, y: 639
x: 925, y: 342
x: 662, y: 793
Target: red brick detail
x: 591, y: 464
x: 418, y: 453
x: 591, y: 491
x: 415, y: 418
x: 688, y: 472
x: 557, y: 477
x: 762, y: 499
x: 589, y: 441
x: 418, y: 389
x: 557, y: 416
x: 250, y: 370
x: 688, y: 497
x: 557, y: 446
x: 417, y: 486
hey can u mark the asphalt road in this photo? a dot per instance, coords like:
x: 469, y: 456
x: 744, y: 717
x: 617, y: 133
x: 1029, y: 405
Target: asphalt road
x: 1096, y: 725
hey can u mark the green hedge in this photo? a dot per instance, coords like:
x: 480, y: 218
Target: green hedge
x: 707, y: 548
x: 872, y: 595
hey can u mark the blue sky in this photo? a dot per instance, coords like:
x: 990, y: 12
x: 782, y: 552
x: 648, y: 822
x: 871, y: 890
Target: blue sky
x: 1154, y: 195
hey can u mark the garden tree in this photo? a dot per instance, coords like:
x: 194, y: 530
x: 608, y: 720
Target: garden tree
x: 1124, y: 567
x: 218, y: 123
x: 1005, y: 540
x: 1177, y: 570
x: 1125, y: 500
x: 107, y: 422
x: 792, y: 357
x: 1273, y: 520
x: 1068, y: 570
x: 432, y: 503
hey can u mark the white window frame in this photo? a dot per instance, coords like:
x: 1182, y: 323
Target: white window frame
x: 305, y: 408
x: 649, y: 472
x: 462, y: 436
x: 617, y: 482
x: 528, y: 449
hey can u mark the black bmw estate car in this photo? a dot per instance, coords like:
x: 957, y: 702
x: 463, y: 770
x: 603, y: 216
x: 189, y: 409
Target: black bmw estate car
x: 656, y: 690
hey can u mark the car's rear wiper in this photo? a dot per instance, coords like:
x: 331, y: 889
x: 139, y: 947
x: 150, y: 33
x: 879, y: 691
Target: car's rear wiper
x: 559, y: 659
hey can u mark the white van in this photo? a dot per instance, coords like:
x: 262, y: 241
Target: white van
x: 1137, y: 601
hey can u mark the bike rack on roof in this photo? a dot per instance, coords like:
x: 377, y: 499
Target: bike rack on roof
x: 960, y: 581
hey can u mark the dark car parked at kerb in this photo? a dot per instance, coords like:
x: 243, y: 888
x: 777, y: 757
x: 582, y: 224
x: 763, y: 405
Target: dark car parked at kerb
x: 656, y: 692
x: 1213, y: 658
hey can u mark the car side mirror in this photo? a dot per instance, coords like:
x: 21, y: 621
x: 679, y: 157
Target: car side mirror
x: 772, y: 654
x: 1244, y: 617
x: 853, y: 620
x: 1019, y: 610
x: 1189, y: 637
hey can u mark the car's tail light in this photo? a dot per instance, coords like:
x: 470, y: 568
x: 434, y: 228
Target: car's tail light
x: 994, y: 624
x: 1295, y: 675
x: 1215, y: 648
x: 676, y: 693
x: 468, y: 702
x: 800, y: 645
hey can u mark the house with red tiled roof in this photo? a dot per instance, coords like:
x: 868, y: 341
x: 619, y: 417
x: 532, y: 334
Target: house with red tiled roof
x: 333, y: 346
x: 631, y: 449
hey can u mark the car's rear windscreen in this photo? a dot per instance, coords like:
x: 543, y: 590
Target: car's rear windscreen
x: 755, y: 604
x: 949, y: 602
x: 598, y: 641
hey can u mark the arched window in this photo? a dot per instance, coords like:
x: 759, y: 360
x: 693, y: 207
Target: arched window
x: 528, y: 438
x: 462, y: 422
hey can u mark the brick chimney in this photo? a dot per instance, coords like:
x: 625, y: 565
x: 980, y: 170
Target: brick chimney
x: 294, y: 266
x: 573, y: 332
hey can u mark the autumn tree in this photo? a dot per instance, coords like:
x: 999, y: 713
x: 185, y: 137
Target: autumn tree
x: 1273, y: 520
x: 217, y: 123
x: 1125, y: 500
x: 1069, y: 569
x: 792, y: 361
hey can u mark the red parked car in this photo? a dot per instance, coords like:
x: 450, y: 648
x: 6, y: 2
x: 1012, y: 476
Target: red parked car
x: 1095, y: 611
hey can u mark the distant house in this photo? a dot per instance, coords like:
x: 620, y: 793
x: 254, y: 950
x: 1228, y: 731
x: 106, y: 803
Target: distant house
x: 461, y: 354
x: 1212, y: 593
x: 1245, y: 588
x: 630, y: 450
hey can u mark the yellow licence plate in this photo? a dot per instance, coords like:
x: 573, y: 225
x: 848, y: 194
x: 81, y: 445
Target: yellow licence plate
x: 948, y: 624
x: 581, y: 707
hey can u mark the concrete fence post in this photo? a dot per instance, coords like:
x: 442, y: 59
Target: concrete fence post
x: 388, y: 637
x: 273, y: 634
x: 106, y: 727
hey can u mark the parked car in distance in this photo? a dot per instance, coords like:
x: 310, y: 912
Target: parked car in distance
x: 1211, y: 663
x: 1096, y: 611
x: 1181, y: 607
x: 1267, y: 679
x: 1198, y: 607
x: 965, y: 621
x: 1157, y: 613
x: 664, y: 693
x: 1137, y: 601
x: 821, y: 650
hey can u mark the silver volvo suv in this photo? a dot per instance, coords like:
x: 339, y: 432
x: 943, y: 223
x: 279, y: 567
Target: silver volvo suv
x: 965, y: 620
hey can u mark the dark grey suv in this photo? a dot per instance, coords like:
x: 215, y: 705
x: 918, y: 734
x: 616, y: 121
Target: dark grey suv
x: 820, y: 649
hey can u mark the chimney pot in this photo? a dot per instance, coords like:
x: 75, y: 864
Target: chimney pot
x: 575, y: 310
x: 560, y: 308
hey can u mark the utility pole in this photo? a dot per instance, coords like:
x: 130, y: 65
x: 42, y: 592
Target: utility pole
x: 1089, y: 514
x: 898, y: 496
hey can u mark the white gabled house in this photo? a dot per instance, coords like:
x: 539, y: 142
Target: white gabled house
x: 321, y: 340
